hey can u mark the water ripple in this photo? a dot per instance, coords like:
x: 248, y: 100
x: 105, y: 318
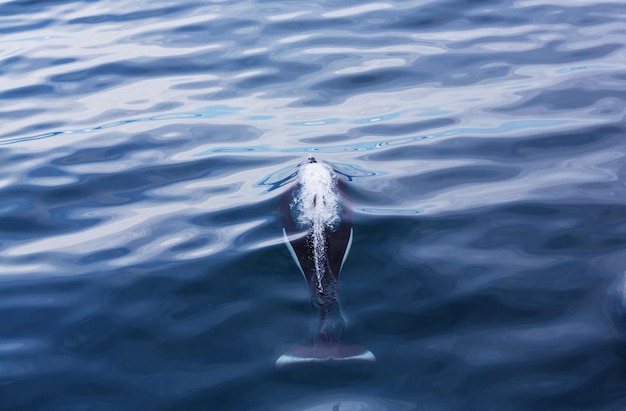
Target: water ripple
x: 144, y: 148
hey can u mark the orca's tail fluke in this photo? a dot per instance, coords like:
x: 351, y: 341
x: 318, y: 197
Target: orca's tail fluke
x: 328, y: 329
x: 324, y: 353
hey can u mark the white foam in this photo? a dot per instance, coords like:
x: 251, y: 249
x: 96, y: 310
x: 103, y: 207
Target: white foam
x: 317, y: 208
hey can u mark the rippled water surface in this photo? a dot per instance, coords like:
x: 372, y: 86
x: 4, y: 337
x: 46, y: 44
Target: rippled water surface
x: 144, y: 147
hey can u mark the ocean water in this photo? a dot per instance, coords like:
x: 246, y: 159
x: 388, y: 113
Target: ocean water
x: 144, y: 147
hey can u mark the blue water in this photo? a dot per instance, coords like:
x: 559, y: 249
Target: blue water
x: 144, y: 147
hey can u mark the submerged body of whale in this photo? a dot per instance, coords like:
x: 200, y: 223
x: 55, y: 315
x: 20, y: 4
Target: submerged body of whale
x: 318, y: 233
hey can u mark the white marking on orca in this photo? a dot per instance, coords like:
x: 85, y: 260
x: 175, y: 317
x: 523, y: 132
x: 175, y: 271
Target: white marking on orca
x: 347, y: 249
x: 293, y: 252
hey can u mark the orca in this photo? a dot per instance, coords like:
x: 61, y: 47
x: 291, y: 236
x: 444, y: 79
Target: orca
x: 317, y: 230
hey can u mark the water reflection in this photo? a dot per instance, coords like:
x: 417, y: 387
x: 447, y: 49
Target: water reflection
x: 349, y: 402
